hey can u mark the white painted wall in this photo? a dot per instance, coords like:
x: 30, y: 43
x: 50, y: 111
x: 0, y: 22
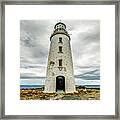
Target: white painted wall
x: 53, y: 71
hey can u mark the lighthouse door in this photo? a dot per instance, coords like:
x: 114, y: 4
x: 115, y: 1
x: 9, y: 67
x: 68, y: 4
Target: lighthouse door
x: 60, y: 83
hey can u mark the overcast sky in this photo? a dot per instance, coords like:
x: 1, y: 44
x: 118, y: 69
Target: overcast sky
x: 85, y: 45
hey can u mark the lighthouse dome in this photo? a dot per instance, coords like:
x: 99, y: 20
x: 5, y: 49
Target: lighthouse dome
x: 60, y: 25
x: 60, y: 28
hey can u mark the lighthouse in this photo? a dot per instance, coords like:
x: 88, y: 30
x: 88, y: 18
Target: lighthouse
x: 60, y: 73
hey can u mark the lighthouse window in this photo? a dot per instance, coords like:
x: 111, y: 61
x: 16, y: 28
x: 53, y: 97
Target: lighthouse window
x: 60, y: 49
x: 60, y: 62
x: 60, y: 39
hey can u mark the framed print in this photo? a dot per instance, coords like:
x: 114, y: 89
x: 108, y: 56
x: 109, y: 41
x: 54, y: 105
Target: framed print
x: 60, y: 60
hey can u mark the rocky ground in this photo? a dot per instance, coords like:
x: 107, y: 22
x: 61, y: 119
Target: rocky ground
x: 80, y: 94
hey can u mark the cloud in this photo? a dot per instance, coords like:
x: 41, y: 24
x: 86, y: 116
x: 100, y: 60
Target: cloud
x: 86, y: 43
x: 35, y: 43
x: 87, y: 73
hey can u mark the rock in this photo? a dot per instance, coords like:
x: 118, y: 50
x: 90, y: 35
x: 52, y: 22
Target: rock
x: 80, y: 94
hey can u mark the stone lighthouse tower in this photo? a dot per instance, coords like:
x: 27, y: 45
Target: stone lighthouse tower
x: 60, y: 74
